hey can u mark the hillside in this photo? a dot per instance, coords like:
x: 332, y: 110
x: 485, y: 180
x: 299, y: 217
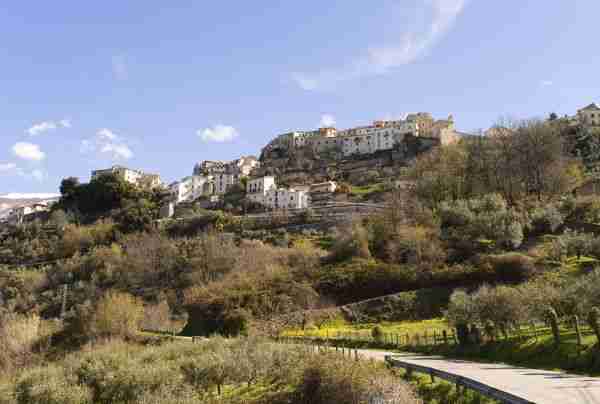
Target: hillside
x: 483, y: 220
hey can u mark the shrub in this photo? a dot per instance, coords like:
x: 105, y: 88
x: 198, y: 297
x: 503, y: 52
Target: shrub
x: 572, y: 243
x: 546, y: 220
x: 157, y: 317
x: 336, y: 380
x: 117, y: 314
x: 236, y: 323
x: 50, y: 386
x: 512, y: 267
x: 18, y: 335
x: 352, y: 240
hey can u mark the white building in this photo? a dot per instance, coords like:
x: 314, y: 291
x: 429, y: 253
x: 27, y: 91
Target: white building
x: 135, y: 177
x: 589, y: 116
x: 381, y: 135
x: 263, y: 191
x: 18, y: 215
x: 223, y: 175
x: 327, y: 187
x: 190, y: 188
x: 257, y: 189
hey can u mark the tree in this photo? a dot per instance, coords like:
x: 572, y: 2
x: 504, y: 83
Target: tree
x: 117, y: 314
x: 136, y: 216
x: 59, y: 218
x: 68, y: 187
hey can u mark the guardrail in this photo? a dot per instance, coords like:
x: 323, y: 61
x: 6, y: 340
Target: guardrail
x: 460, y: 381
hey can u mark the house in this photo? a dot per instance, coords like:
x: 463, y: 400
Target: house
x: 323, y: 187
x: 223, y: 175
x: 191, y: 188
x: 134, y: 177
x: 258, y: 188
x: 589, y: 116
x: 379, y: 136
x: 23, y: 213
x: 263, y: 191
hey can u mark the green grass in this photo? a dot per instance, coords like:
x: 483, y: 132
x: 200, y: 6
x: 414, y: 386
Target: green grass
x: 526, y: 348
x: 442, y: 392
x: 340, y: 328
x: 366, y: 190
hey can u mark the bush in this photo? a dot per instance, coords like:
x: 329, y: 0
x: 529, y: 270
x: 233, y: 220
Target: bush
x: 50, y: 386
x: 336, y: 380
x: 18, y: 336
x: 546, y: 220
x: 572, y: 243
x: 512, y: 267
x: 236, y: 323
x: 117, y: 314
x: 351, y: 240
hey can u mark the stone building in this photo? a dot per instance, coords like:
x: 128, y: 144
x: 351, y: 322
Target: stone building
x: 380, y: 136
x: 219, y: 176
x: 589, y: 116
x: 134, y: 177
x: 21, y: 214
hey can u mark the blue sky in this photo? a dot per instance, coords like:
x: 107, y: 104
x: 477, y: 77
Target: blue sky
x: 161, y: 85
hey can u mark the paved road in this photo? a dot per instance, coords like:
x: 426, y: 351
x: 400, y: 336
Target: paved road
x: 539, y: 386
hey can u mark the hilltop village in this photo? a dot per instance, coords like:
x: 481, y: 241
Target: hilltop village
x: 300, y: 169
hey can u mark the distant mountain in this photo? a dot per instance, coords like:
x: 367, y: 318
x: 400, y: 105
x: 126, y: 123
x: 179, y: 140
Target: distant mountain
x: 14, y: 200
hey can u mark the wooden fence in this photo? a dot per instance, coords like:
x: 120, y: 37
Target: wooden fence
x: 432, y: 337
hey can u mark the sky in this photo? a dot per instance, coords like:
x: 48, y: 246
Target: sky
x: 160, y: 86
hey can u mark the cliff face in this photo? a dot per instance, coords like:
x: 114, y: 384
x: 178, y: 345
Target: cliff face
x: 303, y: 166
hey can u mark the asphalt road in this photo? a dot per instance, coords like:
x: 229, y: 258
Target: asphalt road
x: 539, y: 386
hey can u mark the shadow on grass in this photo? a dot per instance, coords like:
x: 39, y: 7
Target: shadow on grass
x: 539, y: 353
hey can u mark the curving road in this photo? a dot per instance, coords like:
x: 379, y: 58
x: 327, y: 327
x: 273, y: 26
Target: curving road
x: 539, y: 386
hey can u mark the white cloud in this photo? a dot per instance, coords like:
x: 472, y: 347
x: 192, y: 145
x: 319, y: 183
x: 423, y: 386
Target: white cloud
x: 106, y: 142
x: 119, y: 67
x: 28, y: 151
x: 218, y: 133
x: 42, y: 127
x: 107, y: 134
x: 407, y: 48
x: 546, y: 83
x: 327, y: 121
x: 118, y: 151
x: 4, y: 167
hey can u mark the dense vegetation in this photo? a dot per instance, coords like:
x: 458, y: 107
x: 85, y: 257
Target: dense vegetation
x: 494, y: 218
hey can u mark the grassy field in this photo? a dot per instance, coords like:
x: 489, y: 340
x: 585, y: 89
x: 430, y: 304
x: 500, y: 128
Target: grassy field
x: 529, y: 347
x: 366, y: 191
x: 442, y: 392
x: 537, y: 352
x: 341, y: 329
